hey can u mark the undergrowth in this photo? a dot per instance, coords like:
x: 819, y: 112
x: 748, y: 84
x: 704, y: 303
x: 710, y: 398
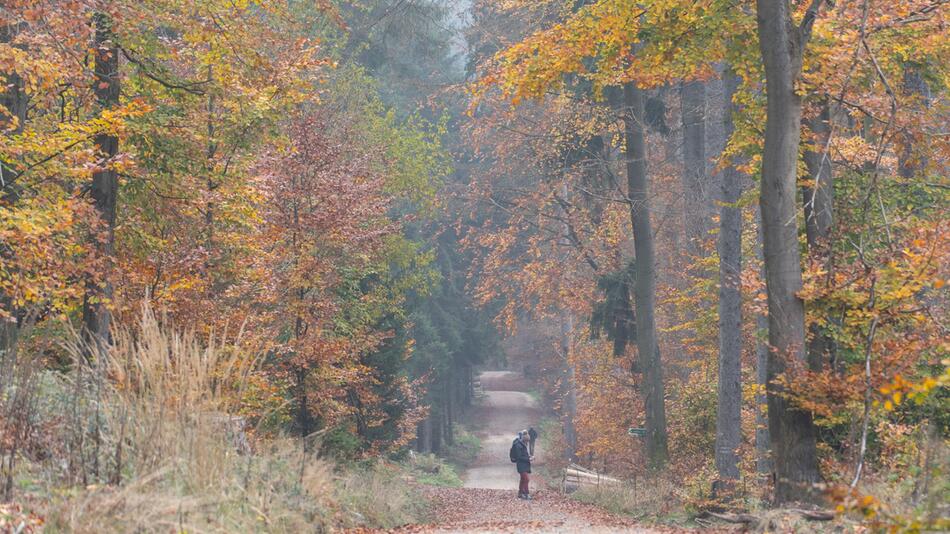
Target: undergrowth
x: 655, y: 500
x: 432, y: 470
x: 661, y: 500
x: 146, y: 438
x: 465, y: 450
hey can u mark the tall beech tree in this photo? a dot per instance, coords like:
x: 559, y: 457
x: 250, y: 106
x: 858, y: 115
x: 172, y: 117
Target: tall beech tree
x: 648, y: 351
x: 104, y: 190
x: 693, y: 112
x: 818, y: 200
x: 693, y: 178
x: 45, y: 157
x: 729, y: 409
x: 791, y: 428
x: 13, y: 107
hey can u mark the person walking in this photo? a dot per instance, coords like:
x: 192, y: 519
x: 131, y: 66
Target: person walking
x: 522, y: 459
x: 532, y: 436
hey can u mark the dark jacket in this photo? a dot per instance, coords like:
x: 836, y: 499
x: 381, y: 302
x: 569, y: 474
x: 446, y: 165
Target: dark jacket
x: 523, y: 459
x: 532, y: 434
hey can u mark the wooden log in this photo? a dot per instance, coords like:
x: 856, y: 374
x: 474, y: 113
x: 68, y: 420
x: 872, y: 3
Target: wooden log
x: 592, y: 478
x: 749, y: 519
x: 588, y: 478
x: 746, y: 519
x: 590, y: 475
x: 815, y: 515
x: 581, y: 468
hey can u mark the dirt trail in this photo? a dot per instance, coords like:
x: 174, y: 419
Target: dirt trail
x: 488, y: 501
x: 499, y: 416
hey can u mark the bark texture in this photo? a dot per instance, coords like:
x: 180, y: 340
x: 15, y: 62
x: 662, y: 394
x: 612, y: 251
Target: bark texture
x: 693, y: 102
x: 645, y: 286
x: 105, y: 182
x: 728, y: 423
x: 792, y: 431
x: 818, y: 199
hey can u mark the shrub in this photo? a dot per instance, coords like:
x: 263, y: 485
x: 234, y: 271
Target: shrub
x: 432, y: 470
x: 341, y: 443
x: 466, y: 448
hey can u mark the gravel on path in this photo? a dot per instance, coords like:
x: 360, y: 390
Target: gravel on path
x: 488, y: 501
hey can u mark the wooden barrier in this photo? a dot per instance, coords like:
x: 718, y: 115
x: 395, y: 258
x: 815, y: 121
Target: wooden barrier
x: 576, y: 476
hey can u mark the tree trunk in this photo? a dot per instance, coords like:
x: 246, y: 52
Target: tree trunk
x: 763, y: 461
x: 570, y: 394
x: 645, y: 287
x: 693, y: 103
x: 425, y: 435
x: 594, y: 158
x: 818, y: 192
x: 792, y: 431
x: 728, y: 419
x: 14, y: 101
x: 693, y: 114
x: 913, y: 85
x: 437, y: 431
x: 469, y: 393
x: 567, y: 392
x: 304, y: 419
x: 818, y: 199
x: 210, y: 152
x: 105, y: 184
x: 449, y: 415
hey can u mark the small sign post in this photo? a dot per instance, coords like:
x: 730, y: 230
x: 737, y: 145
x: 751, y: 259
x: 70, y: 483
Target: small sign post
x: 639, y: 432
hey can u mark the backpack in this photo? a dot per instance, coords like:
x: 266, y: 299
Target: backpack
x: 513, y: 454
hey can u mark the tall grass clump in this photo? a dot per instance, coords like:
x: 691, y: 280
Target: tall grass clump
x: 20, y: 375
x: 147, y: 437
x: 159, y: 399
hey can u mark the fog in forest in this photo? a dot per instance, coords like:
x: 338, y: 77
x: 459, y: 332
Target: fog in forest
x: 288, y: 266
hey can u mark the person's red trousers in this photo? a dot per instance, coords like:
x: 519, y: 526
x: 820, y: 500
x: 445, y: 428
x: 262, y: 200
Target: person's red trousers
x: 523, y: 485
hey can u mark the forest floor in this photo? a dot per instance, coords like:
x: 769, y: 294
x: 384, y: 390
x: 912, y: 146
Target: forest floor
x: 488, y: 501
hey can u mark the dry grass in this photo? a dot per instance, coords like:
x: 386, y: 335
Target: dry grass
x: 648, y: 498
x: 158, y: 395
x: 254, y: 493
x: 146, y: 440
x: 898, y: 505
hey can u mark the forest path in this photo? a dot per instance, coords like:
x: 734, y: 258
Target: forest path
x: 505, y: 409
x: 488, y: 501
